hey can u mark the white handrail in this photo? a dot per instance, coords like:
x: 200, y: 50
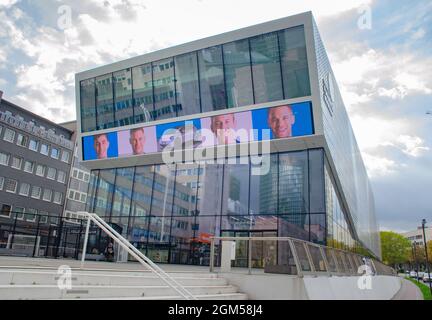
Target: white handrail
x: 144, y: 260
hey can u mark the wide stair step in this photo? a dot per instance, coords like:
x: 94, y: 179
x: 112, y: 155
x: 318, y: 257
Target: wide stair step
x: 109, y: 284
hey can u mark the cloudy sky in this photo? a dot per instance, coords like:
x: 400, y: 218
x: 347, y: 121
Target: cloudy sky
x: 384, y: 72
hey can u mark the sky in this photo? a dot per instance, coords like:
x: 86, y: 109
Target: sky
x: 383, y: 67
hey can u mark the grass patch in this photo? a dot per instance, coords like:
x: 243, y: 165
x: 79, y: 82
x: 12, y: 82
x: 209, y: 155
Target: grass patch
x: 424, y: 288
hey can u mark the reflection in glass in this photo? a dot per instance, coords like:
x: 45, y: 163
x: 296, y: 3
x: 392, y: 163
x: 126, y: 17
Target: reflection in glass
x: 294, y: 62
x: 293, y: 182
x: 122, y: 196
x: 105, y: 192
x: 104, y: 102
x: 164, y: 90
x: 143, y: 93
x: 238, y: 76
x: 210, y: 189
x: 266, y: 68
x: 264, y: 190
x: 123, y: 97
x: 211, y: 79
x: 88, y: 107
x: 187, y: 84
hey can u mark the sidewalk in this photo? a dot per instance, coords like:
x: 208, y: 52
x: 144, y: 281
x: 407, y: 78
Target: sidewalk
x: 408, y: 291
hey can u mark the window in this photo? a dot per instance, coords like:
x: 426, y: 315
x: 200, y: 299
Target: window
x: 24, y: 189
x: 142, y: 92
x: 11, y: 185
x: 294, y: 62
x: 65, y: 156
x: 104, y: 102
x: 86, y: 177
x: 53, y: 220
x: 28, y: 166
x: 211, y: 79
x: 58, y: 196
x: 5, y: 210
x: 47, y: 195
x: 1, y: 183
x: 4, y: 158
x: 61, y: 177
x: 88, y: 110
x: 22, y: 140
x: 19, y: 212
x: 33, y: 145
x: 9, y: 135
x: 187, y: 84
x: 43, y: 217
x: 16, y: 163
x: 51, y: 173
x: 40, y: 170
x: 266, y: 68
x: 123, y: 97
x: 31, y: 215
x: 80, y: 175
x: 55, y: 153
x: 36, y: 192
x: 238, y: 74
x: 44, y: 149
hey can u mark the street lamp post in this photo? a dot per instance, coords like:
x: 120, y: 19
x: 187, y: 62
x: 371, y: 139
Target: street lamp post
x: 426, y: 254
x: 415, y: 259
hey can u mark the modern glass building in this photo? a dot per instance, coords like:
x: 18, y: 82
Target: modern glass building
x: 268, y: 87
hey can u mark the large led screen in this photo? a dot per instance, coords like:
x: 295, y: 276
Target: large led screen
x: 284, y: 121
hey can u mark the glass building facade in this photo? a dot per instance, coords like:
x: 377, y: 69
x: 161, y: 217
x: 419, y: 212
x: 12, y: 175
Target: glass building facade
x: 259, y: 69
x: 170, y: 211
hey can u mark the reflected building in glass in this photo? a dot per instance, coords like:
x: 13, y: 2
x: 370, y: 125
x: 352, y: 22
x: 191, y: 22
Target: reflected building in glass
x: 316, y: 187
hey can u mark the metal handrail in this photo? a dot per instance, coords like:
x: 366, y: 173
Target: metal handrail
x: 348, y: 269
x: 138, y: 255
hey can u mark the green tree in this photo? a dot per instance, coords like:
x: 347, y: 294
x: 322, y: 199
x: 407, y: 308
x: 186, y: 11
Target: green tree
x: 395, y: 248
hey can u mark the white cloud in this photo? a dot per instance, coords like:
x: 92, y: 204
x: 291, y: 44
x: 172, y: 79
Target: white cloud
x: 379, y: 166
x: 7, y: 3
x: 412, y: 146
x: 419, y: 34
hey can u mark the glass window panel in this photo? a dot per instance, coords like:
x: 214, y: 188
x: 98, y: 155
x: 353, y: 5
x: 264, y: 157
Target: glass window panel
x: 210, y: 189
x: 16, y: 163
x: 294, y: 62
x: 11, y: 185
x: 33, y: 145
x: 5, y: 210
x: 22, y: 140
x: 302, y: 256
x: 104, y: 192
x: 294, y: 225
x: 142, y: 191
x: 9, y: 135
x: 44, y: 149
x: 88, y: 108
x: 28, y: 166
x: 211, y: 79
x: 316, y: 181
x: 65, y: 156
x: 4, y: 159
x: 330, y: 259
x: 162, y: 198
x: 164, y: 89
x: 264, y: 190
x: 238, y: 75
x: 317, y: 228
x: 104, y: 102
x: 143, y: 93
x: 122, y: 196
x: 187, y: 85
x: 317, y: 258
x: 47, y: 195
x: 266, y: 68
x: 236, y: 188
x: 24, y: 189
x: 91, y: 191
x: 123, y: 97
x: 185, y: 195
x: 293, y: 182
x: 55, y: 153
x: 36, y: 192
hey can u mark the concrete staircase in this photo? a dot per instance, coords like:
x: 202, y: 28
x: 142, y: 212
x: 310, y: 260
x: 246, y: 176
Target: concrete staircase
x: 41, y: 283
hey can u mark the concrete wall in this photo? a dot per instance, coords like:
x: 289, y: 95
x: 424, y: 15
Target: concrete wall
x: 285, y: 287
